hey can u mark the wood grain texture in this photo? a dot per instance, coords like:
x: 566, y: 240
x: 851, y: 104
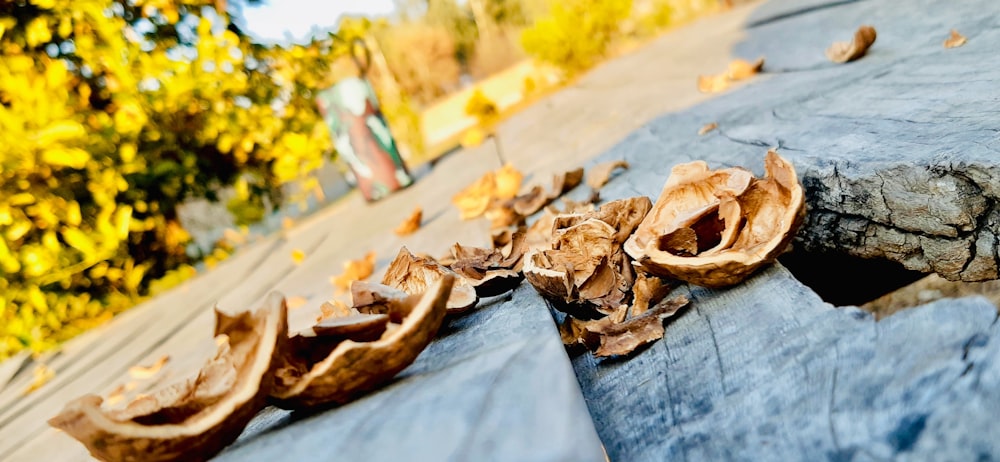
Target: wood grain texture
x: 767, y: 371
x: 898, y: 152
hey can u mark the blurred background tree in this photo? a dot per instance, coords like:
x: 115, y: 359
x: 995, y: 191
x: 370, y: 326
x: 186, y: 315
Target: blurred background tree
x: 114, y: 112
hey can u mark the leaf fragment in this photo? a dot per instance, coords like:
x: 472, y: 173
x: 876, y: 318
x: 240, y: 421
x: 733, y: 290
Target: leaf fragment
x: 741, y: 69
x: 955, y: 40
x: 354, y: 270
x: 713, y: 83
x: 843, y: 52
x: 707, y: 128
x: 411, y: 224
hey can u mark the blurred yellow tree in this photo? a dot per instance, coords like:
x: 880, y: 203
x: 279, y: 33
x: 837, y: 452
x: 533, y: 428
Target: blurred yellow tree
x: 113, y: 112
x: 575, y: 34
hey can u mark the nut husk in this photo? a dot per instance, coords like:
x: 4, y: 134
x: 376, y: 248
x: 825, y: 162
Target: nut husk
x: 191, y: 420
x: 735, y: 229
x: 353, y: 368
x: 413, y: 275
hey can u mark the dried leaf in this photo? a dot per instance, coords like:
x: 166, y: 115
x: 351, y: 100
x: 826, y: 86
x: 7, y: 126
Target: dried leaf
x: 563, y: 183
x: 842, y: 52
x: 145, y: 372
x: 599, y: 174
x: 354, y: 270
x: 411, y: 224
x: 503, y: 216
x: 477, y: 198
x: 413, y: 275
x: 40, y: 376
x: 707, y: 128
x: 337, y: 372
x: 955, y: 40
x: 196, y: 418
x: 531, y: 201
x: 741, y: 69
x: 738, y: 224
x: 508, y: 182
x: 713, y: 83
x: 623, y: 338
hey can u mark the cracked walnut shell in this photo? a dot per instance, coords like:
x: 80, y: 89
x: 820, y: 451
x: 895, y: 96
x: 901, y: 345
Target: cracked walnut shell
x: 715, y: 228
x: 195, y: 419
x: 338, y: 371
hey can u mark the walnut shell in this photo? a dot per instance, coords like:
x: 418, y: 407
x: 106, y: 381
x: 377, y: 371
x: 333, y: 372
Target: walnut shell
x: 413, y: 274
x: 192, y: 420
x: 715, y: 228
x: 353, y: 368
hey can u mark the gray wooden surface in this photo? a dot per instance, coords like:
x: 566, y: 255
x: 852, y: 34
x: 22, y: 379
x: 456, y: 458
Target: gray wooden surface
x: 498, y: 386
x: 899, y: 156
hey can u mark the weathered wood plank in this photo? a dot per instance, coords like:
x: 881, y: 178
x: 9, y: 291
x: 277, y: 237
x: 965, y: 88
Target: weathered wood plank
x: 118, y: 346
x: 898, y: 153
x: 766, y: 370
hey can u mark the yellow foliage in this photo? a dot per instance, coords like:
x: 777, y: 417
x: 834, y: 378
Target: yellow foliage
x: 104, y: 131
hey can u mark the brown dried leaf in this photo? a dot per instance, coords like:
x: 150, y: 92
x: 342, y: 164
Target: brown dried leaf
x: 843, y: 52
x: 955, y: 40
x: 623, y: 338
x: 503, y: 216
x: 599, y: 174
x: 145, y: 372
x: 531, y: 201
x: 195, y: 419
x: 738, y: 228
x: 741, y: 69
x: 713, y: 83
x: 336, y: 373
x: 707, y: 128
x: 413, y: 275
x: 562, y: 183
x: 354, y: 270
x: 411, y: 224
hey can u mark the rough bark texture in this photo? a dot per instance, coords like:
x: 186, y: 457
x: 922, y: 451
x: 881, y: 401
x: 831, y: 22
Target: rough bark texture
x: 898, y: 152
x: 767, y: 371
